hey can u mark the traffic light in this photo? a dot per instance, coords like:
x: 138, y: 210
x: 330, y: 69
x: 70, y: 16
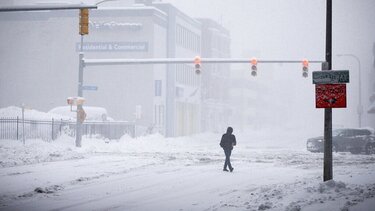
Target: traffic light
x: 197, y: 64
x: 254, y: 63
x: 305, y: 68
x: 83, y: 21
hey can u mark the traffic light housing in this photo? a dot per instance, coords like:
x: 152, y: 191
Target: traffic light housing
x: 197, y: 65
x: 254, y: 68
x: 83, y: 21
x: 305, y: 68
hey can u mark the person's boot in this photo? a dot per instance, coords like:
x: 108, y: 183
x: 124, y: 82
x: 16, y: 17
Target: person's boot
x: 225, y: 169
x: 231, y: 169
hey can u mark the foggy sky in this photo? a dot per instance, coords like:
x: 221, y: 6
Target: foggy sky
x: 295, y: 29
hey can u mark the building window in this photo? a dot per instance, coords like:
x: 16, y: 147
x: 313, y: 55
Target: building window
x: 187, y: 38
x: 159, y: 115
x: 158, y: 87
x: 179, y: 92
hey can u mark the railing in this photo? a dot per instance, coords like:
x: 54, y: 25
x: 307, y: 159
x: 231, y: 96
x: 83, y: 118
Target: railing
x: 16, y: 128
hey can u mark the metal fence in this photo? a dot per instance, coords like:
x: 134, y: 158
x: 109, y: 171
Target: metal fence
x: 15, y: 128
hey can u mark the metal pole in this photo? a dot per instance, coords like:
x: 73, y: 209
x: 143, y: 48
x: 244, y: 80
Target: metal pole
x: 52, y: 129
x: 80, y: 94
x: 23, y: 124
x: 17, y: 126
x: 46, y: 7
x: 360, y: 107
x: 96, y: 62
x: 327, y: 169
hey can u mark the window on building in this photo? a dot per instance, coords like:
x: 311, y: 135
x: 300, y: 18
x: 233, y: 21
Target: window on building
x: 158, y: 84
x: 179, y: 92
x: 159, y: 115
x: 187, y: 38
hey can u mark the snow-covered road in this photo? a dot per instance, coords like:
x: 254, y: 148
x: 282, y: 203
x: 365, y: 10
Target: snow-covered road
x: 186, y: 174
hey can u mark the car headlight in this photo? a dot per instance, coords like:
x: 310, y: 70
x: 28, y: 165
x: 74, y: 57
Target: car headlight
x: 320, y: 140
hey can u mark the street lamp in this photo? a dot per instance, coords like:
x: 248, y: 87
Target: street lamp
x: 360, y: 107
x: 100, y: 2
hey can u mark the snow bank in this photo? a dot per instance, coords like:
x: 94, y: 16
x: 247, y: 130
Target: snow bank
x: 308, y: 195
x: 154, y: 143
x: 14, y: 152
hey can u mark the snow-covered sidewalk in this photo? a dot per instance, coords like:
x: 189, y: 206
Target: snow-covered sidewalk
x: 156, y: 173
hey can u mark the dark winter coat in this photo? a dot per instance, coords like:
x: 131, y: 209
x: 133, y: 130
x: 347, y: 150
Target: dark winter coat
x: 228, y: 140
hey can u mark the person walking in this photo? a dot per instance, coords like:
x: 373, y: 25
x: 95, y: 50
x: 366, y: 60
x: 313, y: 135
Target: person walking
x: 228, y: 140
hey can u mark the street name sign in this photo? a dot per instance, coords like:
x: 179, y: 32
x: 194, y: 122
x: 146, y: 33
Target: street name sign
x: 90, y: 88
x: 330, y: 95
x: 330, y: 77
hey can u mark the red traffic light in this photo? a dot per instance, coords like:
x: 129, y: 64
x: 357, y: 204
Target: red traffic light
x: 305, y: 68
x: 305, y: 63
x: 197, y: 64
x: 197, y: 60
x: 254, y: 63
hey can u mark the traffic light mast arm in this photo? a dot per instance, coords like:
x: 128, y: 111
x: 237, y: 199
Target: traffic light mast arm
x: 46, y: 7
x: 97, y: 62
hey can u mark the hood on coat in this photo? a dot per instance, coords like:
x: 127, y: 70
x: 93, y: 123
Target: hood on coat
x: 229, y: 130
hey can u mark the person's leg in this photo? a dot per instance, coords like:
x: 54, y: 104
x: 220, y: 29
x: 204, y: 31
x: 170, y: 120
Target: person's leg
x: 227, y: 160
x: 228, y: 154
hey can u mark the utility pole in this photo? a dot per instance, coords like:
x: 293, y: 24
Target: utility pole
x: 327, y: 169
x: 83, y: 30
x: 360, y: 106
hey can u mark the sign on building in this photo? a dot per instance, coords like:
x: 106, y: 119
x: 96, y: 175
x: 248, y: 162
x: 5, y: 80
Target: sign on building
x: 113, y: 46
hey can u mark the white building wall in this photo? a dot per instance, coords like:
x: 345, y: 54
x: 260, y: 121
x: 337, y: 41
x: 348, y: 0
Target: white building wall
x: 188, y: 83
x: 39, y: 63
x: 160, y: 74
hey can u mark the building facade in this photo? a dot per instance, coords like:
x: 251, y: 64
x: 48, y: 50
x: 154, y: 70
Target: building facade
x: 216, y: 109
x: 183, y: 85
x: 45, y: 66
x: 40, y: 62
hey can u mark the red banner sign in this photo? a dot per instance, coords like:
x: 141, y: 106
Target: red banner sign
x: 330, y: 95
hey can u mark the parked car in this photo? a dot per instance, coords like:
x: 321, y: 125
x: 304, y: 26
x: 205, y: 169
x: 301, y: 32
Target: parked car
x: 346, y: 140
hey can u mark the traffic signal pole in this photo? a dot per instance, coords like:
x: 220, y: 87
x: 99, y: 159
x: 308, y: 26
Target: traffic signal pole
x: 18, y: 8
x: 98, y: 62
x: 83, y: 30
x: 80, y: 94
x: 327, y: 169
